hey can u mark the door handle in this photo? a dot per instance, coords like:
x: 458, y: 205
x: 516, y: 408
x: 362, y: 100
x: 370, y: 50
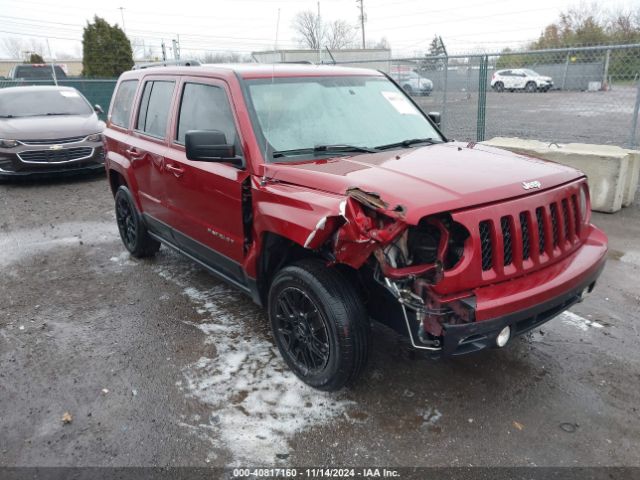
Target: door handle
x: 134, y: 153
x: 177, y: 171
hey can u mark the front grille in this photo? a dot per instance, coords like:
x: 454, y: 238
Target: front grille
x: 541, y: 239
x: 519, y: 230
x: 506, y: 238
x: 487, y: 247
x: 554, y: 224
x: 524, y: 227
x: 565, y: 218
x: 55, y: 156
x: 53, y: 141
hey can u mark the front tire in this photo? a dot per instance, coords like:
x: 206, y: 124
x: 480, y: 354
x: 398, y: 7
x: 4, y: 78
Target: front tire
x: 319, y: 324
x: 132, y: 230
x: 407, y: 88
x: 531, y: 87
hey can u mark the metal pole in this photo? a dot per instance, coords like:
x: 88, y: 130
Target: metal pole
x: 482, y: 98
x: 566, y: 68
x: 275, y: 47
x: 444, y: 80
x: 634, y: 120
x: 53, y: 67
x: 122, y: 15
x: 606, y: 70
x: 319, y: 34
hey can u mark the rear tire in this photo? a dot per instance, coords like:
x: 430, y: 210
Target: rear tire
x: 133, y: 232
x: 407, y: 88
x: 499, y: 87
x: 319, y: 324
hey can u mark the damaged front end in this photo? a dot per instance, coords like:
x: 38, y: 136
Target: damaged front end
x: 401, y: 263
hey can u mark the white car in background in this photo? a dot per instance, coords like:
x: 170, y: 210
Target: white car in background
x: 413, y: 83
x: 520, y: 79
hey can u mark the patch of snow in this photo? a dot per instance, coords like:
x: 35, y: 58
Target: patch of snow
x: 259, y: 403
x: 575, y: 320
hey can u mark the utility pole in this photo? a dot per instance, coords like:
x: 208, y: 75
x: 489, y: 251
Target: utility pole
x: 361, y: 2
x: 176, y: 48
x: 164, y: 51
x: 275, y: 47
x: 122, y: 15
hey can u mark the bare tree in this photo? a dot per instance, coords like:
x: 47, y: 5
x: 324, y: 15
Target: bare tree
x: 339, y: 35
x: 13, y: 47
x: 309, y: 29
x: 19, y: 48
x: 228, y: 57
x: 383, y: 43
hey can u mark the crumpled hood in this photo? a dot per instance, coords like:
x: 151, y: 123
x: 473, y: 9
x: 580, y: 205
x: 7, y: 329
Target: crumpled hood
x: 53, y: 127
x: 430, y: 179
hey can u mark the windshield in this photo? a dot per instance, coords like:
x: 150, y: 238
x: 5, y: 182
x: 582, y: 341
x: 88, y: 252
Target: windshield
x: 30, y: 103
x: 303, y: 113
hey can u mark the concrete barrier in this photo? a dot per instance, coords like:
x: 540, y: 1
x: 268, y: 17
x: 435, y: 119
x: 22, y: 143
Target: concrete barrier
x: 633, y: 175
x: 612, y: 171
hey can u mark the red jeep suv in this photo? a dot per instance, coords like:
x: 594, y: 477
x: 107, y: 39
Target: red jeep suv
x: 330, y: 198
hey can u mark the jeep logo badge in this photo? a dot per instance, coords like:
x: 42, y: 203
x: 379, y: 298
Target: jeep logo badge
x: 530, y: 185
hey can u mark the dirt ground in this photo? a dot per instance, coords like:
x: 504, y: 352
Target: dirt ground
x: 158, y: 363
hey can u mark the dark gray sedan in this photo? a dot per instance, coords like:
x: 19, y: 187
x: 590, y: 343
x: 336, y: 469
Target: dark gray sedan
x: 47, y: 130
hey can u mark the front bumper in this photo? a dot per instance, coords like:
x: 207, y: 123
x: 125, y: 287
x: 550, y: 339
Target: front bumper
x: 14, y: 165
x: 69, y: 171
x: 529, y: 301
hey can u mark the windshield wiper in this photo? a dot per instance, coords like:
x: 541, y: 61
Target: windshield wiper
x: 407, y: 143
x: 323, y: 149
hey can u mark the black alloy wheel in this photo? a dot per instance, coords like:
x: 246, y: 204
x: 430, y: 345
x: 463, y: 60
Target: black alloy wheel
x: 133, y: 231
x: 303, y: 330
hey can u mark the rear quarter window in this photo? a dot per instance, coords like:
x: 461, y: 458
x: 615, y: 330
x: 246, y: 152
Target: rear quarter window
x: 123, y: 103
x: 154, y: 107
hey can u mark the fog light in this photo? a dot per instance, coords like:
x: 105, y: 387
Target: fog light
x: 503, y: 337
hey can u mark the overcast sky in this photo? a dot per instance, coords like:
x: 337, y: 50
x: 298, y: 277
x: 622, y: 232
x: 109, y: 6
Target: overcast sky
x: 248, y: 25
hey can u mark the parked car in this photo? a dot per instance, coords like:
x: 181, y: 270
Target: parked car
x: 330, y: 198
x: 36, y: 71
x: 520, y: 79
x: 47, y: 130
x: 413, y: 83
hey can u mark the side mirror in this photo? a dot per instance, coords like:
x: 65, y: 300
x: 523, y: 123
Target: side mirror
x: 435, y: 118
x: 98, y: 109
x: 210, y: 146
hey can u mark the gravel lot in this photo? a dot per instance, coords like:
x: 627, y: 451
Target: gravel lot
x: 159, y: 363
x: 556, y: 116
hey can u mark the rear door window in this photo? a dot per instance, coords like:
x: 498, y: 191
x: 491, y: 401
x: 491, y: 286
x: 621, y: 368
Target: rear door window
x: 154, y: 107
x: 123, y: 102
x: 205, y: 107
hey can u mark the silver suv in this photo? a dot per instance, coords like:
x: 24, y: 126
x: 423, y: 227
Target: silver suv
x: 520, y: 79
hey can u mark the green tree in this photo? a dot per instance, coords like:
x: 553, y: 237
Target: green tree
x: 436, y: 49
x: 106, y: 50
x: 35, y: 58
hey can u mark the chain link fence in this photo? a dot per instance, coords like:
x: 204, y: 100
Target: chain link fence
x: 96, y: 91
x: 586, y: 94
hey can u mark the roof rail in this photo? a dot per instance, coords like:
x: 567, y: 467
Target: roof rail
x: 168, y: 63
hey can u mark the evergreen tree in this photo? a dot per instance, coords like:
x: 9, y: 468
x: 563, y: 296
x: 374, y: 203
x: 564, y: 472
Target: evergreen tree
x: 106, y: 50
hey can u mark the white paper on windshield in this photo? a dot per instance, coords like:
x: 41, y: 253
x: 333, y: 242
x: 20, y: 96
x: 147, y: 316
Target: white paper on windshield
x: 400, y: 103
x: 69, y: 93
